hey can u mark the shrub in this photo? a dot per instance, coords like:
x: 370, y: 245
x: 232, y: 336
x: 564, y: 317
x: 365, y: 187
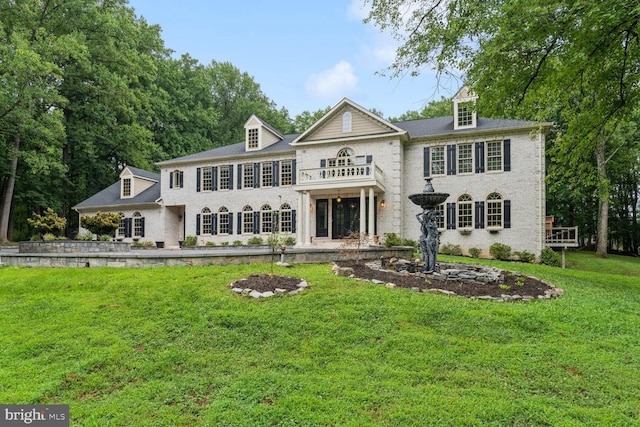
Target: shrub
x: 48, y: 237
x: 526, y: 256
x: 409, y: 242
x: 105, y: 238
x: 255, y: 241
x: 237, y: 243
x: 225, y: 243
x: 392, y: 239
x: 142, y: 243
x: 190, y: 241
x: 102, y: 223
x: 289, y: 240
x: 48, y: 222
x: 450, y: 249
x: 85, y: 236
x: 210, y: 243
x: 500, y: 251
x: 475, y: 252
x: 549, y: 257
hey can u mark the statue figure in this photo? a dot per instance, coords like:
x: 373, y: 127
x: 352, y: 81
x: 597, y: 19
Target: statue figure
x: 429, y: 239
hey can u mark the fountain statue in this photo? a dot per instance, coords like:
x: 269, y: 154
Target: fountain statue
x: 429, y: 239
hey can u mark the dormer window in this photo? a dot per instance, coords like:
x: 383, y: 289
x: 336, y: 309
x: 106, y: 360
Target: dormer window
x: 346, y: 122
x: 465, y: 114
x: 253, y: 138
x: 464, y: 109
x: 126, y: 187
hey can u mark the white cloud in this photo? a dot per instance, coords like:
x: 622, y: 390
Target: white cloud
x: 335, y: 82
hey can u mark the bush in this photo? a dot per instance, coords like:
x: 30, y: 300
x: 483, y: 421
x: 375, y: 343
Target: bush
x: 102, y: 223
x: 526, y: 256
x: 142, y: 243
x: 450, y: 249
x: 392, y: 239
x: 48, y: 237
x: 475, y: 252
x: 85, y: 237
x: 409, y: 242
x: 105, y: 238
x: 500, y: 251
x: 190, y: 241
x: 255, y: 241
x: 210, y: 244
x: 237, y: 243
x: 225, y: 243
x: 289, y: 240
x: 549, y: 257
x: 48, y: 222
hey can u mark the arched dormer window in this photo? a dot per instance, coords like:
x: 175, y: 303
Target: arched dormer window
x: 346, y: 157
x: 346, y: 122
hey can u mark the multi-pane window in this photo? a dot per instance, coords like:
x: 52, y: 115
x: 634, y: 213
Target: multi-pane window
x: 494, y: 156
x: 345, y: 157
x: 223, y: 220
x: 207, y: 179
x: 465, y: 114
x: 122, y: 226
x: 494, y: 210
x: 266, y: 219
x: 205, y: 221
x: 286, y: 224
x: 247, y: 220
x: 138, y: 225
x: 126, y: 187
x: 465, y: 211
x: 267, y: 174
x: 286, y: 172
x: 437, y: 160
x: 465, y: 158
x: 253, y: 138
x: 176, y: 179
x: 440, y: 216
x: 223, y: 181
x: 247, y: 175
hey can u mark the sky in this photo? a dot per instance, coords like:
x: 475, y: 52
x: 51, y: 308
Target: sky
x: 305, y: 55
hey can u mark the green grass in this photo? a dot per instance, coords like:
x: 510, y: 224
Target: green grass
x: 174, y: 347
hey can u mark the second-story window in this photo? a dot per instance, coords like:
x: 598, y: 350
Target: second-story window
x: 253, y: 138
x: 437, y: 160
x: 207, y: 179
x: 494, y: 156
x: 286, y: 172
x: 224, y: 177
x: 247, y: 175
x: 346, y: 157
x: 465, y: 158
x: 267, y: 174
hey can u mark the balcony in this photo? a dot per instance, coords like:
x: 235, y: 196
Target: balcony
x: 339, y: 177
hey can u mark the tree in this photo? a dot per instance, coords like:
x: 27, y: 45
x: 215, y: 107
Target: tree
x: 48, y: 222
x: 102, y: 223
x: 439, y: 108
x: 530, y: 58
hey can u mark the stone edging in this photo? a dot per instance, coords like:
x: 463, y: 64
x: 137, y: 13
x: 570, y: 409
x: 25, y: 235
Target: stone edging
x: 236, y: 287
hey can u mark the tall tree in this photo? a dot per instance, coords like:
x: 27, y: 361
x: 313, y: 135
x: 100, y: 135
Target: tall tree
x: 529, y: 57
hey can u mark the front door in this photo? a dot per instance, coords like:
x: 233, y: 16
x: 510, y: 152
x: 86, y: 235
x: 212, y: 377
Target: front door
x: 322, y: 218
x: 346, y: 217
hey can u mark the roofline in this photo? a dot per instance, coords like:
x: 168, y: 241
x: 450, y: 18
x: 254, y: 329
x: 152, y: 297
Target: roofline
x: 404, y: 135
x: 98, y: 207
x: 253, y: 154
x: 545, y: 126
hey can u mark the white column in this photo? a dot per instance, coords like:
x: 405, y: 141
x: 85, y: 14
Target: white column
x: 307, y: 218
x: 300, y: 222
x: 363, y: 222
x: 372, y: 206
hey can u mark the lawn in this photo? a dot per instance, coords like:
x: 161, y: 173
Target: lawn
x: 174, y: 347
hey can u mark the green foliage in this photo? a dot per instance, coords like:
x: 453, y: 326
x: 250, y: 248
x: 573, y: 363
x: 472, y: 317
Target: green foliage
x: 237, y: 243
x: 475, y: 252
x: 392, y: 239
x: 450, y: 249
x: 549, y: 257
x: 190, y: 241
x: 142, y: 244
x: 500, y: 251
x: 255, y: 240
x: 48, y: 222
x: 525, y: 256
x: 47, y: 237
x: 210, y: 243
x: 224, y: 244
x: 85, y: 236
x: 289, y: 240
x: 102, y: 223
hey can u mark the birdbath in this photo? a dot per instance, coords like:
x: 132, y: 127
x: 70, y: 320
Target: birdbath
x: 429, y: 239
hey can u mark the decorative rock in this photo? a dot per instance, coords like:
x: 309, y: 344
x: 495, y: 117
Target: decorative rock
x: 267, y: 294
x: 303, y: 284
x: 342, y: 271
x: 281, y: 291
x: 390, y: 285
x: 283, y: 264
x: 377, y: 282
x: 237, y: 290
x: 255, y: 294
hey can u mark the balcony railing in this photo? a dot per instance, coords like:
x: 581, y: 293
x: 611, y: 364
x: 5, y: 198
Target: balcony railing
x: 343, y: 174
x: 562, y: 237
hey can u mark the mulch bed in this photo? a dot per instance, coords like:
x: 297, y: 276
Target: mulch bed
x: 266, y: 283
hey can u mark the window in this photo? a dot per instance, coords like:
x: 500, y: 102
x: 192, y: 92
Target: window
x: 465, y: 114
x: 440, y: 216
x: 346, y: 157
x: 126, y: 187
x: 138, y: 225
x: 286, y: 223
x: 223, y: 220
x: 253, y: 138
x: 437, y: 160
x: 494, y: 211
x: 247, y: 220
x: 494, y: 156
x: 465, y: 158
x: 286, y: 172
x: 207, y: 179
x: 205, y: 221
x: 224, y: 180
x: 266, y: 219
x: 122, y: 226
x: 247, y: 175
x: 267, y: 174
x: 465, y: 211
x: 176, y: 179
x: 346, y: 122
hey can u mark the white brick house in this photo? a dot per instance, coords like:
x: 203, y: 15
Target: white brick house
x: 350, y: 171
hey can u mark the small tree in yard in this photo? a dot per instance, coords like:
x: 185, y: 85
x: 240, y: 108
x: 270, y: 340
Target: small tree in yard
x: 355, y: 240
x: 102, y: 223
x: 48, y: 222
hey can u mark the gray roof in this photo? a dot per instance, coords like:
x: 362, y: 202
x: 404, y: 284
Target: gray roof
x: 110, y: 196
x: 444, y: 126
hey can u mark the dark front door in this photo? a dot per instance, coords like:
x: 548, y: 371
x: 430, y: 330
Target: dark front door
x: 346, y: 217
x: 322, y: 218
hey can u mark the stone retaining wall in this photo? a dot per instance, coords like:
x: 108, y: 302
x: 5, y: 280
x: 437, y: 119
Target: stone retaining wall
x: 72, y: 247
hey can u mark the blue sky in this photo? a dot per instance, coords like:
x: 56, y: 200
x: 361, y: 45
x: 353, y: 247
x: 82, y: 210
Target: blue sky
x: 306, y: 55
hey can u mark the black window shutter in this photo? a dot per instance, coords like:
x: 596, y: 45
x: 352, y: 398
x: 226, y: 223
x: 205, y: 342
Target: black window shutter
x: 214, y: 224
x: 230, y: 223
x: 214, y: 178
x: 181, y: 179
x: 293, y: 220
x: 479, y: 157
x: 293, y: 171
x: 256, y: 175
x: 506, y: 206
x: 276, y: 173
x: 425, y: 167
x: 230, y: 177
x: 170, y: 179
x: 369, y: 159
x: 142, y: 227
x: 479, y: 215
x: 256, y: 222
x: 239, y: 222
x: 323, y: 163
x: 451, y: 216
x: 197, y: 224
x: 240, y: 177
x: 198, y: 180
x: 451, y: 159
x: 127, y: 227
x: 506, y: 153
